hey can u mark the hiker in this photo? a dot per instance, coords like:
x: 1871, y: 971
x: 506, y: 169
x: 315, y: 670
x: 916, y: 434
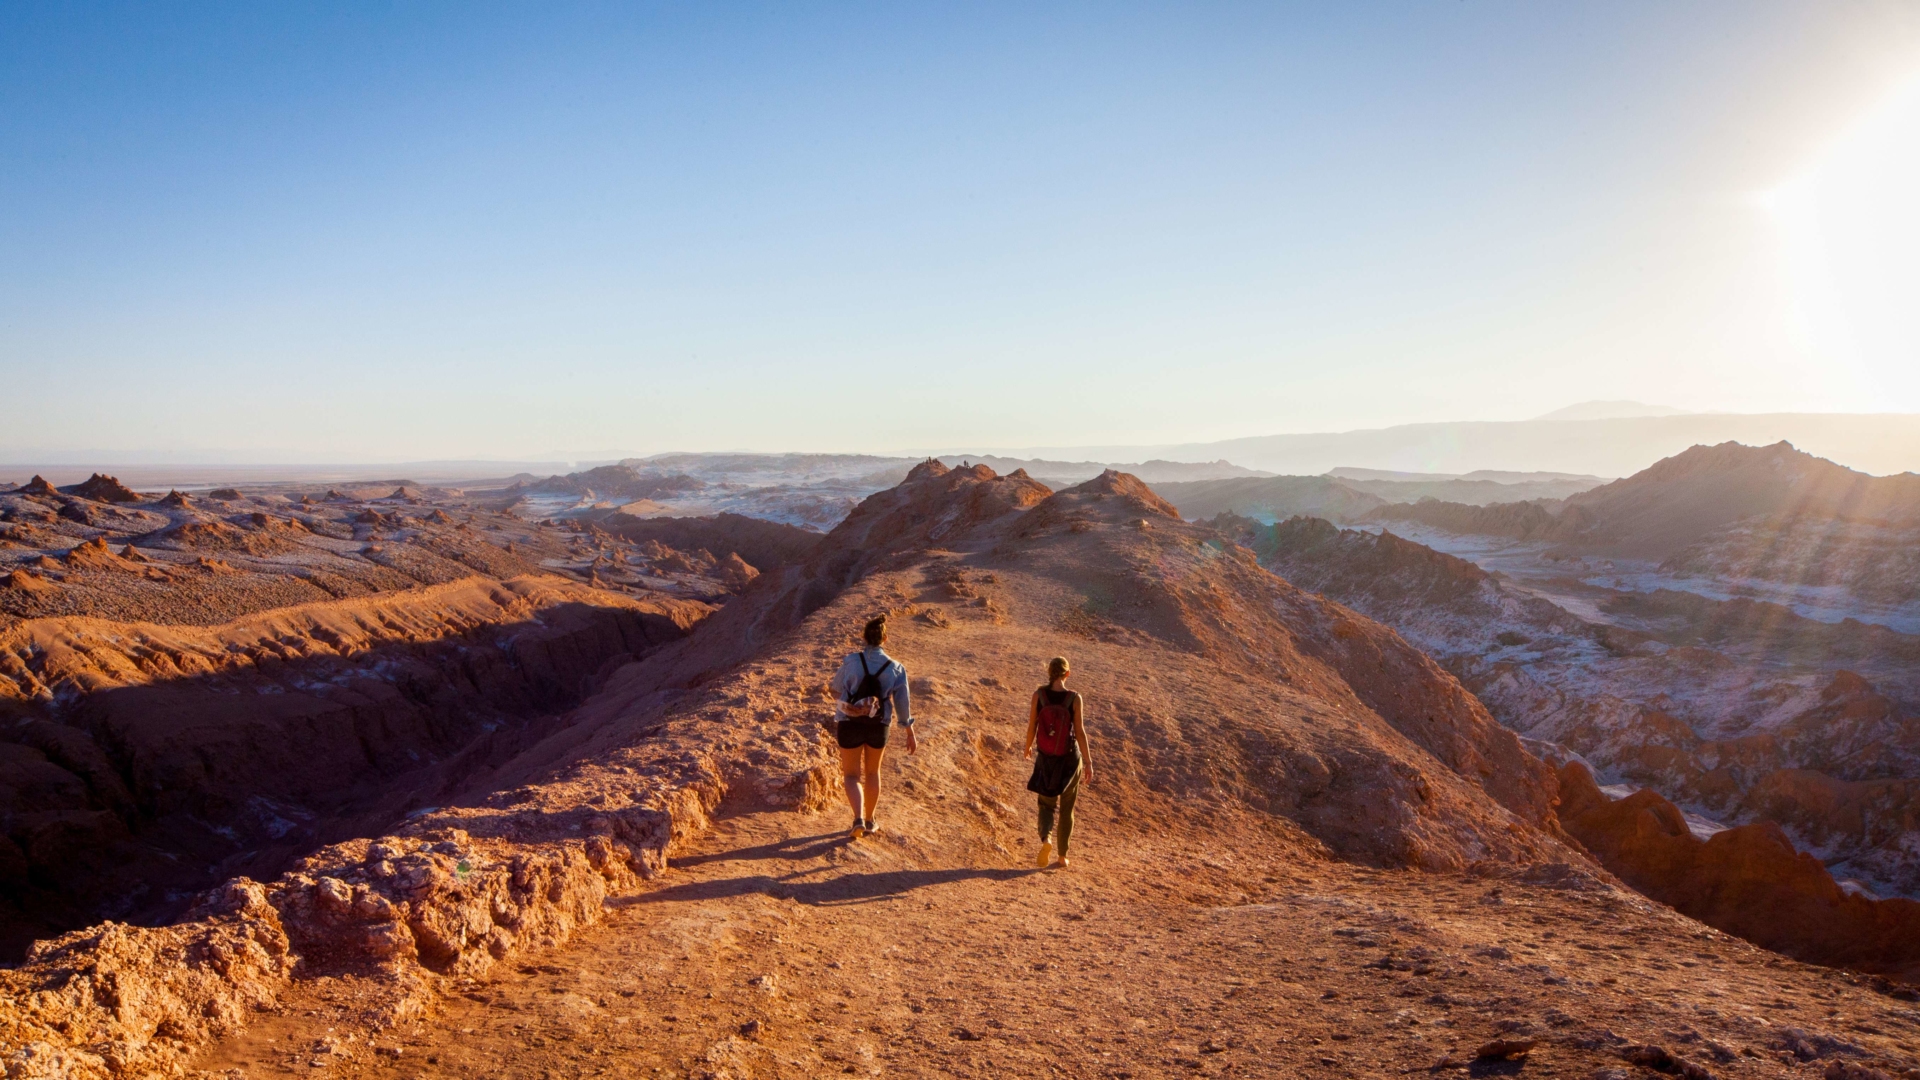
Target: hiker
x: 871, y: 689
x: 1057, y: 727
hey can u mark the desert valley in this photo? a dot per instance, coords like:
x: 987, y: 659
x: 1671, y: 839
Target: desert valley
x: 529, y: 777
x: 992, y: 541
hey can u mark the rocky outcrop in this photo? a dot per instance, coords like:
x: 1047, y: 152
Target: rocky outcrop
x: 768, y: 545
x: 1134, y: 575
x: 1223, y: 691
x: 1875, y: 561
x: 26, y: 581
x: 1271, y: 497
x: 737, y: 572
x: 102, y: 488
x: 116, y: 1000
x: 612, y: 480
x: 96, y: 555
x: 219, y: 535
x: 1766, y: 729
x: 249, y: 740
x: 1747, y: 880
x: 1679, y: 500
x: 1516, y: 520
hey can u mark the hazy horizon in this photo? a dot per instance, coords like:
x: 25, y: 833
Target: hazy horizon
x: 437, y: 232
x: 1609, y: 439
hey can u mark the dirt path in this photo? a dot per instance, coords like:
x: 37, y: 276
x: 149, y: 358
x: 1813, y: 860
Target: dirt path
x: 779, y: 948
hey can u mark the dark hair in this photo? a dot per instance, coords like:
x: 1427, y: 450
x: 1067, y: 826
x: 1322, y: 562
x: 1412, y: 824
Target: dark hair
x: 876, y: 631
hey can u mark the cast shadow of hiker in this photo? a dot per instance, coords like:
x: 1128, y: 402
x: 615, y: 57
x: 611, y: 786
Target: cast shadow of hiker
x: 818, y: 886
x: 795, y: 848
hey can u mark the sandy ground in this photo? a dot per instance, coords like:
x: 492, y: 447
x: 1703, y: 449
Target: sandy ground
x: 778, y: 947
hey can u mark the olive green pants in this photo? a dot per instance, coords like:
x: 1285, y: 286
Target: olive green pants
x: 1060, y: 807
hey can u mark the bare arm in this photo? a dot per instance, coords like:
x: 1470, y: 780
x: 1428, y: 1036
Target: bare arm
x: 1080, y: 736
x: 1033, y: 723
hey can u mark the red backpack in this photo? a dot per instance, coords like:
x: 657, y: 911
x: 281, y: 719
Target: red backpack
x: 1054, y: 732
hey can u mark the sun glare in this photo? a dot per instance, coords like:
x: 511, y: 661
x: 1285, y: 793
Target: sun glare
x: 1850, y: 233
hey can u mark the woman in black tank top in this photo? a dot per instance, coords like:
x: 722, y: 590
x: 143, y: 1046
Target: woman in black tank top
x: 1056, y: 728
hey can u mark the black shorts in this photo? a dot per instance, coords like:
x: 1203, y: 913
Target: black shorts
x: 855, y: 732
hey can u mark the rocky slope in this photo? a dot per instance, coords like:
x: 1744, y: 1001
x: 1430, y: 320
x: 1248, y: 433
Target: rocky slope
x: 1515, y: 520
x: 195, y: 687
x: 776, y: 949
x: 148, y: 762
x: 1747, y: 880
x: 1679, y: 500
x: 1225, y: 697
x: 765, y: 545
x: 1874, y: 561
x: 1728, y: 520
x: 1736, y: 710
x: 1270, y: 497
x: 205, y: 559
x: 1484, y: 505
x: 1206, y: 928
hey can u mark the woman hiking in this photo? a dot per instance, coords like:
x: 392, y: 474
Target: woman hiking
x: 871, y: 691
x: 1057, y: 727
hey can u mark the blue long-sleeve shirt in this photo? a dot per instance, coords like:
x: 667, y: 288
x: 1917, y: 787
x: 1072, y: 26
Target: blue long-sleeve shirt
x: 893, y: 685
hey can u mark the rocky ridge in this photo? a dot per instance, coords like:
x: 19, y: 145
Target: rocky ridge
x: 1231, y: 696
x: 1822, y: 755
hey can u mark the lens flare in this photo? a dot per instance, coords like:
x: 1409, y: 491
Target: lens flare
x: 1849, y: 226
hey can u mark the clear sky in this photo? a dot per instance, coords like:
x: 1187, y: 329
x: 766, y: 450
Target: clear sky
x: 416, y: 230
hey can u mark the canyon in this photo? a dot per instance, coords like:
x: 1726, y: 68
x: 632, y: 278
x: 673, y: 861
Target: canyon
x: 1312, y: 843
x: 1742, y: 711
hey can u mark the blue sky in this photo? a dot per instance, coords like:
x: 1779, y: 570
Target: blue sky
x: 400, y: 231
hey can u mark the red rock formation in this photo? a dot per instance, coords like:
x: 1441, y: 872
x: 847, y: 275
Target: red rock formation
x: 102, y: 488
x: 768, y: 545
x: 1678, y: 500
x: 27, y: 581
x: 1519, y: 520
x: 1271, y: 497
x: 736, y: 571
x: 1747, y: 880
x: 1222, y: 690
x: 302, y: 706
x: 95, y: 555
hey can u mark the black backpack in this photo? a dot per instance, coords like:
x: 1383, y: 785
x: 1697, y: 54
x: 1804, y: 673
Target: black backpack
x: 870, y: 687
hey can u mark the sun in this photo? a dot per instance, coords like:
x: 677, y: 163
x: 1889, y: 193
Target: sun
x: 1849, y: 226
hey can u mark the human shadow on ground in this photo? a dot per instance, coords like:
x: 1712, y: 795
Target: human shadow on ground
x: 793, y: 847
x: 837, y: 889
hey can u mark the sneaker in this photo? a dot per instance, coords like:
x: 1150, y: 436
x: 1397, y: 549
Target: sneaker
x: 1046, y: 853
x: 859, y: 829
x: 872, y: 827
x: 1063, y: 863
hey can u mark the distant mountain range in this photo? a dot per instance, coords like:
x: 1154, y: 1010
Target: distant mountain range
x: 1610, y: 410
x: 1346, y: 499
x: 1878, y: 443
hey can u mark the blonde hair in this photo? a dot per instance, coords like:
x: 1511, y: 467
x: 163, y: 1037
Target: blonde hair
x: 1057, y: 668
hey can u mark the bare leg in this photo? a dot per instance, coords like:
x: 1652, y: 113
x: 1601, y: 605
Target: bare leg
x: 871, y: 761
x: 1064, y: 830
x: 850, y: 775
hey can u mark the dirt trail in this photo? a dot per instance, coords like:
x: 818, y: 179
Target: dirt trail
x: 779, y: 948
